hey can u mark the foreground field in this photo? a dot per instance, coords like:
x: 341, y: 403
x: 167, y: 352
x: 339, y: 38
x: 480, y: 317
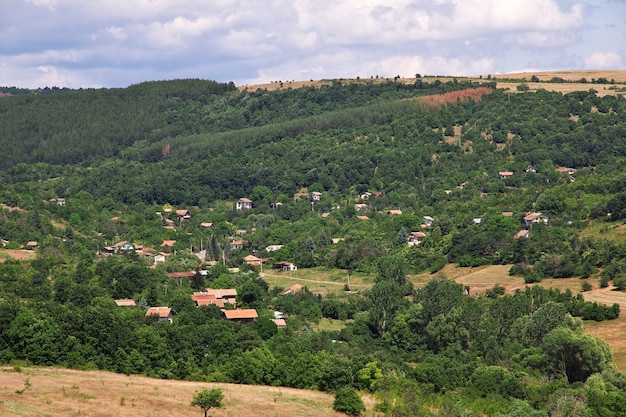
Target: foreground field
x: 63, y: 392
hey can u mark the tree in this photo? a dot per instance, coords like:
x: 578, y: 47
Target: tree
x: 206, y: 399
x: 348, y: 401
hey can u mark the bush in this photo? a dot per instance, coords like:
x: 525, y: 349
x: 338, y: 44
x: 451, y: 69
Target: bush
x: 586, y: 286
x: 348, y: 401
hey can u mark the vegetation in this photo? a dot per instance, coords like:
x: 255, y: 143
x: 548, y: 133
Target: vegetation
x: 84, y: 170
x: 206, y: 399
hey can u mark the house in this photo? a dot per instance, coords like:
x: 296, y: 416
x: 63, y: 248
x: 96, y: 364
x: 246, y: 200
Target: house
x: 504, y: 174
x: 325, y: 215
x: 463, y: 184
x: 168, y: 244
x: 123, y: 247
x: 293, y: 289
x: 315, y: 196
x: 364, y: 218
x: 244, y: 204
x: 428, y: 221
x: 336, y: 240
x: 253, y: 260
x: 32, y: 244
x: 160, y: 257
x: 477, y: 220
x: 183, y: 215
x: 522, y: 233
x: 246, y: 315
x: 530, y: 169
x: 125, y: 303
x: 164, y: 313
x: 415, y: 238
x: 58, y: 201
x: 229, y: 295
x: 507, y: 213
x: 366, y: 195
x: 273, y: 248
x: 361, y: 207
x: 236, y: 244
x: 285, y: 266
x: 531, y: 218
x: 206, y: 224
x: 280, y: 323
x: 565, y: 170
x: 206, y: 299
x: 394, y: 212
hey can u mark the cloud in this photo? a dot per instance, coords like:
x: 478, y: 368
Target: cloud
x: 601, y: 60
x: 244, y: 40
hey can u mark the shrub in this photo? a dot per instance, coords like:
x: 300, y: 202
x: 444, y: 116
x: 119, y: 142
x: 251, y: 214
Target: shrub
x: 348, y: 401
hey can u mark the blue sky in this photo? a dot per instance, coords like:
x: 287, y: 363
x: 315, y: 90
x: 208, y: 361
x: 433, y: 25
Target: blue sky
x: 115, y: 43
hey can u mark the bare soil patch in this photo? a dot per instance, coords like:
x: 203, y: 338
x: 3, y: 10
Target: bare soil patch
x: 19, y: 254
x: 63, y: 392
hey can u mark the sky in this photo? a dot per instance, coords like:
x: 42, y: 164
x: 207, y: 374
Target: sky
x: 116, y: 43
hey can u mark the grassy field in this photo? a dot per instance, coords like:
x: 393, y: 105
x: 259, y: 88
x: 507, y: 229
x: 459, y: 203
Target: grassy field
x: 56, y: 392
x: 510, y: 81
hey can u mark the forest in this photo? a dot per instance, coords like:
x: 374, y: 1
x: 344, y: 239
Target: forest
x: 341, y: 177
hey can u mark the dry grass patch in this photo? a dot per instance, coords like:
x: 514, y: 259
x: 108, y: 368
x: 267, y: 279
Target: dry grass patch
x: 319, y: 280
x: 62, y: 392
x: 18, y: 254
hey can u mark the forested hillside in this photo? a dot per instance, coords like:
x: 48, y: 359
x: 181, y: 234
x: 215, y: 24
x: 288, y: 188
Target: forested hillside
x: 382, y: 179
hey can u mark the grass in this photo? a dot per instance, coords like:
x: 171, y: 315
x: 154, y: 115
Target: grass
x: 64, y: 392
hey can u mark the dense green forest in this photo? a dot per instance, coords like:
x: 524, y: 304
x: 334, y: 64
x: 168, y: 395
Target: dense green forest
x: 85, y: 169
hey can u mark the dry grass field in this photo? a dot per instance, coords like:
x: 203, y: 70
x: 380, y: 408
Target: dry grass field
x: 503, y: 81
x: 68, y: 393
x: 19, y: 254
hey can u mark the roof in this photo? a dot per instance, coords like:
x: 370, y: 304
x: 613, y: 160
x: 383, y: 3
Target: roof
x: 182, y: 212
x: 505, y: 173
x: 125, y: 303
x: 280, y: 323
x: 162, y: 312
x: 521, y: 233
x: 507, y: 213
x: 418, y: 234
x: 169, y: 243
x: 206, y: 224
x: 222, y: 292
x: 247, y: 313
x: 533, y: 216
x: 362, y: 217
x: 184, y: 274
x: 245, y: 200
x: 325, y: 214
x: 394, y: 211
x: 293, y: 288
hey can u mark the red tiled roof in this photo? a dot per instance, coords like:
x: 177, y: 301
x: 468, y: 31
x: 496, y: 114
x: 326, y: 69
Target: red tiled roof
x: 162, y: 312
x: 248, y: 313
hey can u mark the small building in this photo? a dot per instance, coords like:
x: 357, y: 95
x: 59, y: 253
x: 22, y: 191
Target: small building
x: 415, y: 238
x: 315, y: 196
x: 183, y: 215
x: 125, y: 302
x: 505, y: 174
x: 336, y: 240
x: 273, y: 248
x: 244, y: 204
x: 164, y: 313
x: 254, y: 261
x: 537, y: 217
x: 168, y: 244
x: 206, y: 299
x: 428, y: 221
x: 292, y: 289
x: 364, y: 218
x: 394, y: 212
x: 361, y: 207
x: 325, y: 214
x: 236, y: 244
x: 507, y: 213
x: 522, y: 233
x: 246, y: 315
x: 229, y: 295
x: 280, y: 323
x: 285, y: 266
x: 206, y: 224
x: 32, y: 244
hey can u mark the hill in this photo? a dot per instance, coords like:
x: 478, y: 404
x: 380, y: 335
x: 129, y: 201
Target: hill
x: 62, y: 392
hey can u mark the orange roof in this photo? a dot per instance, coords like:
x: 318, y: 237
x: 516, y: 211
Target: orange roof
x: 162, y: 312
x: 125, y: 303
x: 521, y: 233
x: 505, y: 173
x: 507, y: 213
x: 245, y: 200
x: 222, y: 292
x: 293, y: 288
x: 168, y: 243
x: 184, y: 274
x: 280, y: 323
x: 532, y: 216
x: 182, y: 212
x: 247, y: 313
x: 362, y: 217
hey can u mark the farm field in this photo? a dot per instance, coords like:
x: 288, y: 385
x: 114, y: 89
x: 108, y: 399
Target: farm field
x: 64, y: 392
x: 479, y: 279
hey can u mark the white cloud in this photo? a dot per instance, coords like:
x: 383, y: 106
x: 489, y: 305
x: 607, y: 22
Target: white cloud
x: 602, y: 60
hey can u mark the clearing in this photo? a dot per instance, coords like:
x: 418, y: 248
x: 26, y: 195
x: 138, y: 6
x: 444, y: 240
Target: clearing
x: 63, y: 392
